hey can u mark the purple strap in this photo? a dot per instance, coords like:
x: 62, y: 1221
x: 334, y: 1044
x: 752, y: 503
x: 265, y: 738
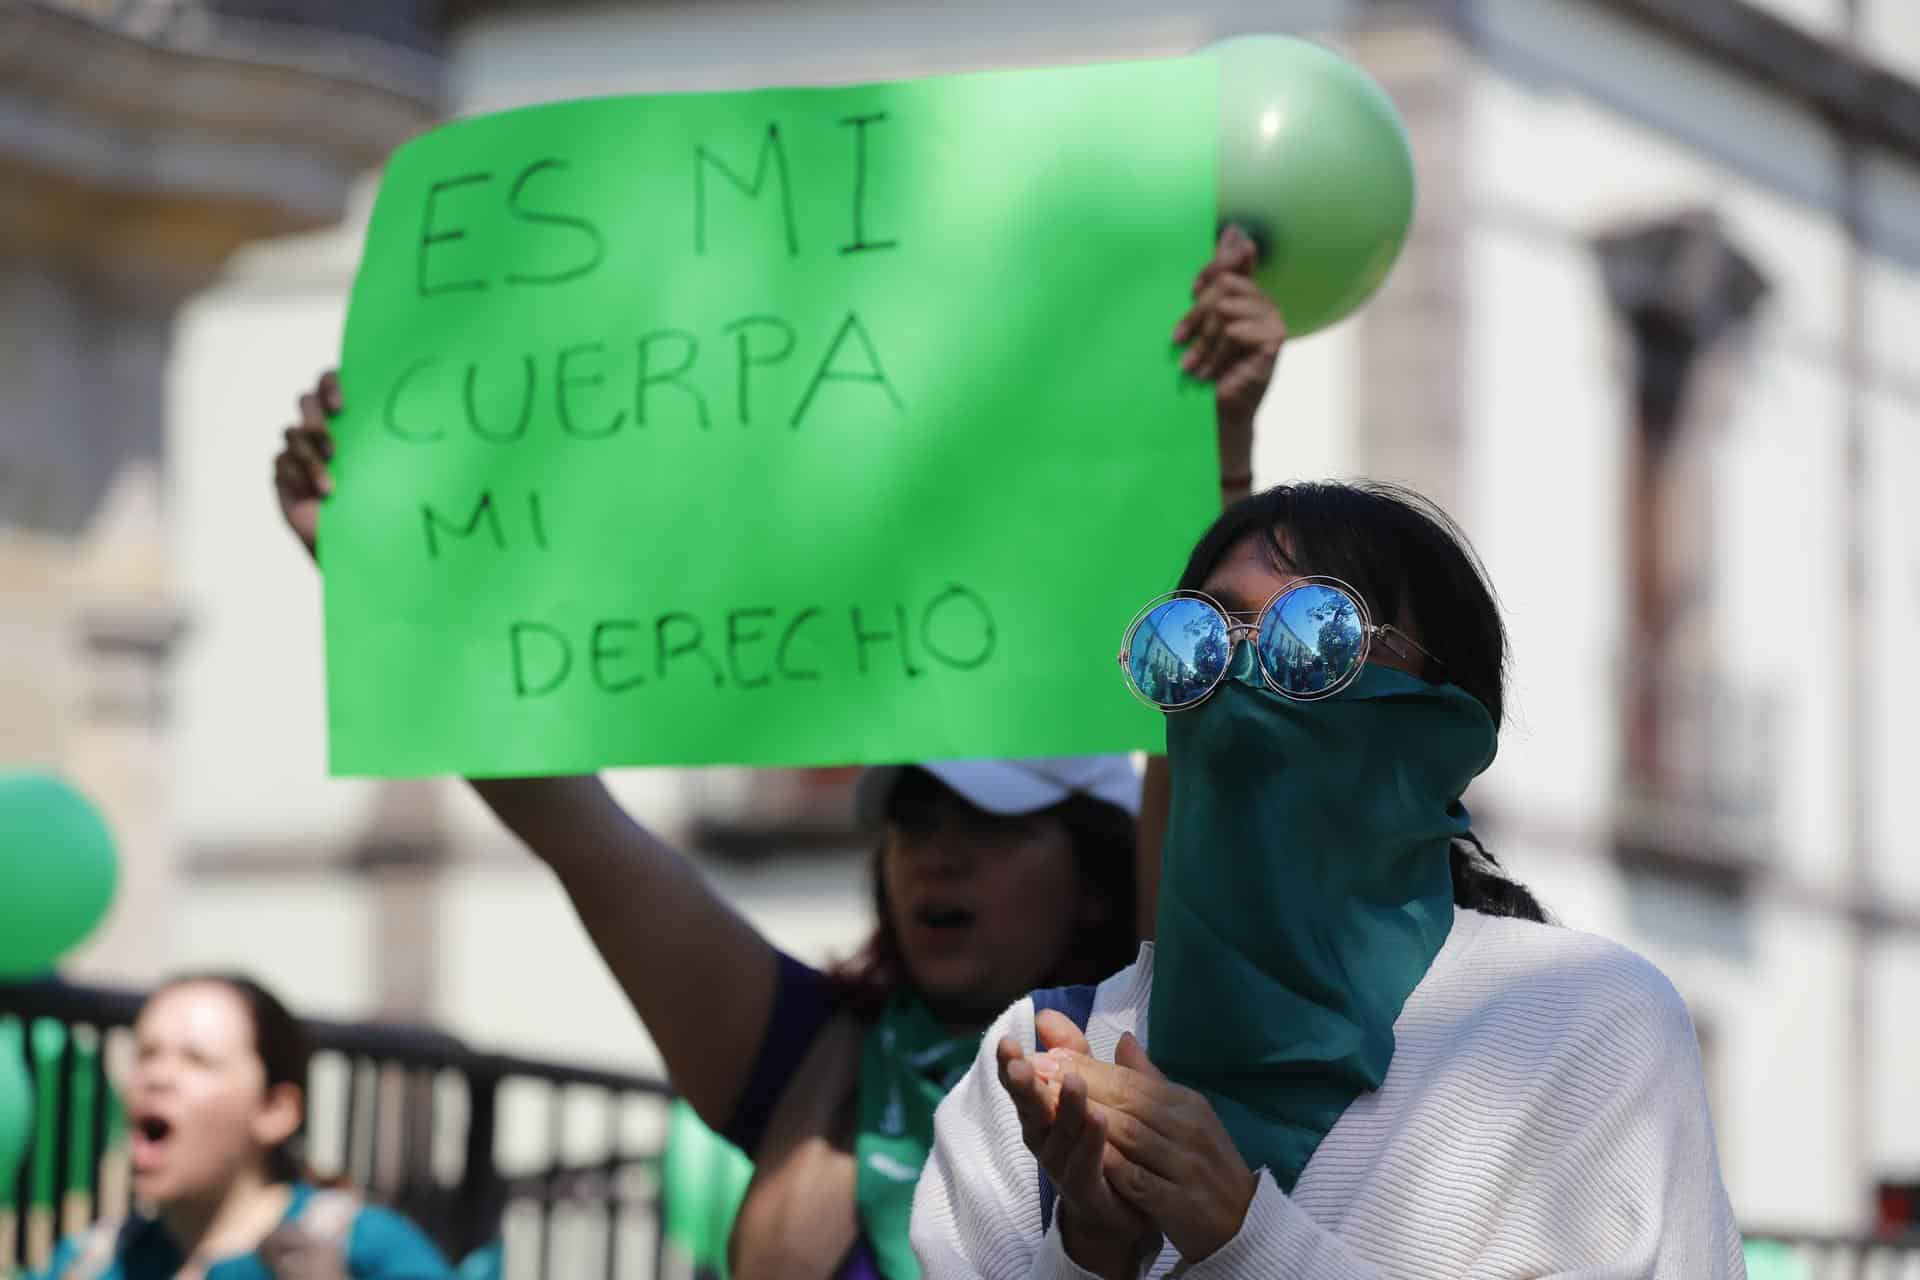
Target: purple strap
x: 802, y: 1005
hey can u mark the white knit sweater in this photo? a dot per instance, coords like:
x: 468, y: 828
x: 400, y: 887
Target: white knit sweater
x: 1544, y: 1116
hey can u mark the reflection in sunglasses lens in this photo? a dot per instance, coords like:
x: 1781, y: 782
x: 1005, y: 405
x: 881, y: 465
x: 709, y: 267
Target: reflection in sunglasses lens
x: 1311, y: 639
x: 1178, y: 652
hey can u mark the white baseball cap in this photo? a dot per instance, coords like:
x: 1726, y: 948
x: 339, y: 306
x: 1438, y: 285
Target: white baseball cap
x: 1009, y: 787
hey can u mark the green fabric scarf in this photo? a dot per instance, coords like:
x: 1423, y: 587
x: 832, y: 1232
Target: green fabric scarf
x: 1304, y: 892
x: 907, y: 1065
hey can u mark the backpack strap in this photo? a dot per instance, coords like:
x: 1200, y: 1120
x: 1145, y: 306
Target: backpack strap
x: 1077, y: 1004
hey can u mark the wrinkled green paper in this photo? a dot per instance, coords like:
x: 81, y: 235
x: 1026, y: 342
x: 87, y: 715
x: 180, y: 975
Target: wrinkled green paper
x: 784, y: 427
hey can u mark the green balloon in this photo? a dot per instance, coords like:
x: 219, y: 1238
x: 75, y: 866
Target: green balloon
x: 1315, y: 165
x: 16, y: 1102
x: 57, y: 863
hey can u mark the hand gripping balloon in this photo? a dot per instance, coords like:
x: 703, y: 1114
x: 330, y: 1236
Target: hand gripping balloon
x: 1315, y: 166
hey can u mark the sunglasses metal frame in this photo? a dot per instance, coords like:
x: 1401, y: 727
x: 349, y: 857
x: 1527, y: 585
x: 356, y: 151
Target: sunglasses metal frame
x: 1241, y: 625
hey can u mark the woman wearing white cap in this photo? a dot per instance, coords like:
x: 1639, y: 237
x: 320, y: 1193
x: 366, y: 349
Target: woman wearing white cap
x: 992, y: 879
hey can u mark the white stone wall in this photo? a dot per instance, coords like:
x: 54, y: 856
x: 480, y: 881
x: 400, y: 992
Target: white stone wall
x: 1585, y: 122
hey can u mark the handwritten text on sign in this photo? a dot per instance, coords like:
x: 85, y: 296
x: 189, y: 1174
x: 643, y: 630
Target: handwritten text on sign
x: 784, y: 427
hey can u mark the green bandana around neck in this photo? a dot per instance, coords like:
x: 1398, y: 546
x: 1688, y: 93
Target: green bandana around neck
x: 907, y: 1065
x: 1305, y: 889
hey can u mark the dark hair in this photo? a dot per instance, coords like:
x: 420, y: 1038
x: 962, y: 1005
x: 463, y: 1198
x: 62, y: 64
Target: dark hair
x: 1414, y: 568
x: 1103, y: 838
x: 281, y: 1044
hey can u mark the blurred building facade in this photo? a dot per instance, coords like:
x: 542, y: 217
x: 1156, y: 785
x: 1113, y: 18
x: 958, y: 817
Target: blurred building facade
x: 1646, y: 343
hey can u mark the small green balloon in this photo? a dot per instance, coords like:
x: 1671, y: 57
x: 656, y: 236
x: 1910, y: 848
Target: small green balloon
x: 1314, y: 163
x: 57, y: 864
x: 16, y: 1102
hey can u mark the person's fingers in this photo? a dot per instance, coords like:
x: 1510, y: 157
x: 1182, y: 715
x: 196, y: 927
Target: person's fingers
x: 1057, y: 1032
x: 1223, y: 301
x: 1145, y: 1145
x: 321, y: 438
x: 312, y: 415
x: 303, y: 447
x: 1212, y: 341
x: 1236, y: 284
x: 1141, y: 1187
x: 1236, y: 251
x: 1022, y: 1085
x: 1069, y: 1118
x: 1120, y: 1089
x: 1238, y: 303
x: 1209, y: 273
x: 1189, y: 326
x: 291, y: 481
x: 306, y: 455
x: 1254, y: 331
x: 1082, y: 1177
x: 1206, y: 357
x: 1132, y: 1055
x: 330, y: 398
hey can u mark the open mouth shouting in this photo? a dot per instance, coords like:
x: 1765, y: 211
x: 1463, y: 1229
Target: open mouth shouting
x: 152, y: 1141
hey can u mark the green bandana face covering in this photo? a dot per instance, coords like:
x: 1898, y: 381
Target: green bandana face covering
x: 907, y: 1064
x: 1304, y: 892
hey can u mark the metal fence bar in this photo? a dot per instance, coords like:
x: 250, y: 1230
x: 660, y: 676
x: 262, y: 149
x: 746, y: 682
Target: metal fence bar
x: 614, y: 1187
x: 549, y: 1189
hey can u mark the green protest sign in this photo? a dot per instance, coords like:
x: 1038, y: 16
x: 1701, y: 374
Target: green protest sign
x: 783, y: 427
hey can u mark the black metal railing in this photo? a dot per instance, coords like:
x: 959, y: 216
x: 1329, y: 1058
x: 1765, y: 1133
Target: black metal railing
x: 556, y: 1165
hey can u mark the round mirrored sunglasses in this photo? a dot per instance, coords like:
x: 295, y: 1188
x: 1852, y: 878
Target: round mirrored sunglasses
x: 1310, y: 641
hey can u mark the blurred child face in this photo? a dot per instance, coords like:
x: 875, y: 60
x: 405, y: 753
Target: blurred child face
x: 984, y: 906
x: 198, y: 1105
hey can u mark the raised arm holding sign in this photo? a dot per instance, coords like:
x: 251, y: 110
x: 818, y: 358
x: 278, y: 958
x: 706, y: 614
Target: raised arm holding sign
x: 655, y: 920
x: 885, y: 449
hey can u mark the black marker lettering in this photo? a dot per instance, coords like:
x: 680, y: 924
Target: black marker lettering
x: 771, y: 152
x: 564, y: 382
x: 483, y: 510
x: 596, y: 249
x: 604, y: 653
x: 736, y: 638
x: 872, y: 375
x: 430, y: 237
x: 862, y: 638
x: 674, y: 377
x: 741, y: 328
x: 695, y: 643
x: 988, y: 636
x: 860, y: 242
x: 393, y: 405
x: 534, y: 518
x: 786, y: 642
x: 515, y: 634
x: 526, y: 404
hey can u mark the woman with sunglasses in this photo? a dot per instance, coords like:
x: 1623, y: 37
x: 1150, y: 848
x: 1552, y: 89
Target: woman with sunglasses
x: 992, y: 878
x: 1354, y: 1049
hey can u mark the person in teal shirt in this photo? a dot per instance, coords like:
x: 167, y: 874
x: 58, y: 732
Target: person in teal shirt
x: 215, y: 1100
